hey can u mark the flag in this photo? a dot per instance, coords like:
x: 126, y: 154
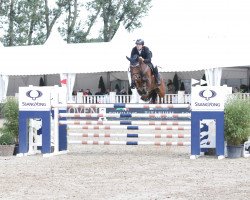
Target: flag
x: 64, y: 81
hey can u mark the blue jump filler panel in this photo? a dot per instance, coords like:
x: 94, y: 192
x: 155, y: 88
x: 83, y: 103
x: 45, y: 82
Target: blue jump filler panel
x: 24, y: 116
x: 196, y: 117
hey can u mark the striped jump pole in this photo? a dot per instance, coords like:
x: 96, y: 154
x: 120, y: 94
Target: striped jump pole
x: 123, y: 115
x: 129, y: 135
x: 107, y: 127
x: 131, y: 143
x: 123, y: 122
x: 122, y: 105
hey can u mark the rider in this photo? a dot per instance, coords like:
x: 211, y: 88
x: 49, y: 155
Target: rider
x: 146, y: 55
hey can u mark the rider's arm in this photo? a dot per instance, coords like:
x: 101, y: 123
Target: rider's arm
x: 147, y: 58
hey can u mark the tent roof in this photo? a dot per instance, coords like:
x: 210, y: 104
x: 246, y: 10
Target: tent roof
x: 111, y: 56
x: 61, y: 57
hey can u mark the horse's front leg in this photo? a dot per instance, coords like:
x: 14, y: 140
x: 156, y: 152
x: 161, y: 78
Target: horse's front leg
x: 145, y: 97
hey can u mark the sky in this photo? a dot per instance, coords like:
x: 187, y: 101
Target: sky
x: 198, y: 31
x: 197, y: 19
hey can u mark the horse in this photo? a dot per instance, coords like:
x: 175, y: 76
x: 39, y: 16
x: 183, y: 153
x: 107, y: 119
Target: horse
x: 145, y: 82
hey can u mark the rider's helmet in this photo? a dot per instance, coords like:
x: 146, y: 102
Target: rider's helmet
x: 139, y: 41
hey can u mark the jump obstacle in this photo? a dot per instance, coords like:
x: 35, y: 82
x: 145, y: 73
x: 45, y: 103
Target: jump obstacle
x: 57, y: 132
x: 164, y: 124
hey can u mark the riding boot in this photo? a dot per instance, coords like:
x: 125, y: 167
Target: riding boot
x: 132, y: 86
x: 157, y: 76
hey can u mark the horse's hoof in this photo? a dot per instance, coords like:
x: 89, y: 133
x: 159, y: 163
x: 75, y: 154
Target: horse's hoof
x: 144, y: 98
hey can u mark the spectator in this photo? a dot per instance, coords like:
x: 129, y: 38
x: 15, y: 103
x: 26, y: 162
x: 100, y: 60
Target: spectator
x: 170, y: 87
x: 235, y: 90
x: 87, y: 92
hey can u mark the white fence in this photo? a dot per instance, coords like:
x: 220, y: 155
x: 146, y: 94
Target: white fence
x: 168, y: 98
x: 242, y: 95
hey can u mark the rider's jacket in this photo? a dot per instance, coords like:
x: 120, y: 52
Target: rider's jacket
x: 145, y: 53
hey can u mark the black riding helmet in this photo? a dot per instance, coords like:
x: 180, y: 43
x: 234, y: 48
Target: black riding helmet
x: 139, y: 41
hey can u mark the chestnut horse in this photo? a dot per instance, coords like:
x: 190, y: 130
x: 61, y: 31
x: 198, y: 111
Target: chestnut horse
x: 145, y: 81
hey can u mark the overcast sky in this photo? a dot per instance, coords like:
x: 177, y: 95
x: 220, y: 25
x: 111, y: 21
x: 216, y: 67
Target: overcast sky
x: 197, y: 18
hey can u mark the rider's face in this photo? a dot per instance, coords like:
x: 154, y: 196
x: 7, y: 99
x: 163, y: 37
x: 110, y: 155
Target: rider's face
x: 139, y: 47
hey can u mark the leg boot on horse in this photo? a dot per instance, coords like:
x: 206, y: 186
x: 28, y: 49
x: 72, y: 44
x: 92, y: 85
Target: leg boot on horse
x: 133, y: 85
x: 157, y: 76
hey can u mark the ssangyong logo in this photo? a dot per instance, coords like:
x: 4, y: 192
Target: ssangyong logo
x: 207, y: 94
x: 34, y: 94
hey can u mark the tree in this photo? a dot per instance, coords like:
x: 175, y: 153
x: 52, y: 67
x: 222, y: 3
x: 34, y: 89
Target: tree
x: 182, y: 88
x: 117, y: 88
x: 31, y: 22
x: 28, y: 22
x: 41, y: 82
x: 113, y: 13
x: 176, y: 83
x: 101, y: 85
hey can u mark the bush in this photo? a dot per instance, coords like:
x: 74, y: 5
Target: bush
x: 237, y: 121
x: 9, y: 131
x: 7, y: 139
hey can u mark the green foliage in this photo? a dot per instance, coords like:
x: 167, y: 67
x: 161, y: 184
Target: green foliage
x: 176, y: 83
x: 237, y: 121
x: 30, y: 22
x: 7, y: 139
x: 182, y: 88
x: 101, y: 85
x: 117, y: 88
x: 9, y: 131
x: 41, y: 82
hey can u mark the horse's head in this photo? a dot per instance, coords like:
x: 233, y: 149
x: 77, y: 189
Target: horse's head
x: 134, y: 61
x: 135, y: 67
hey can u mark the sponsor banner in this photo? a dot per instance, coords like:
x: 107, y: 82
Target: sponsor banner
x: 208, y: 98
x: 136, y: 110
x: 34, y: 98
